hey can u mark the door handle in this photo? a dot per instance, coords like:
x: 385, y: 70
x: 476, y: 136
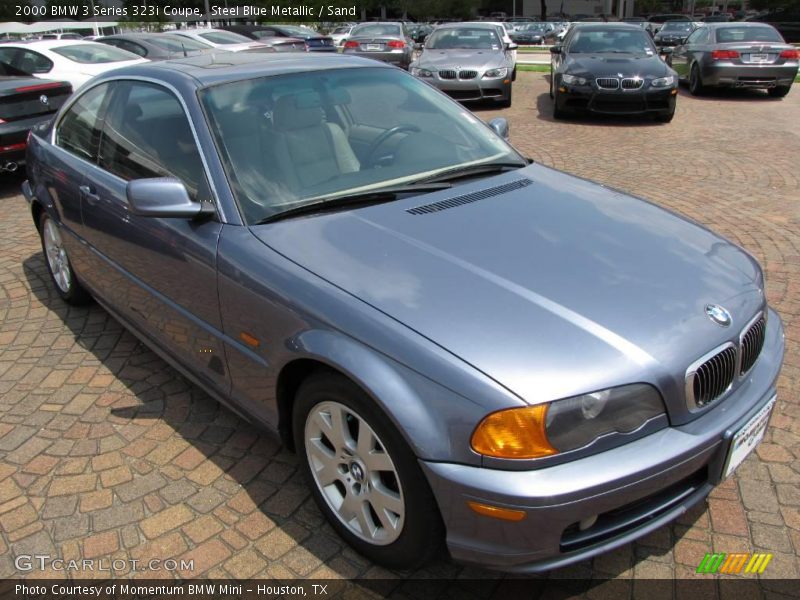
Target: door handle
x: 88, y: 194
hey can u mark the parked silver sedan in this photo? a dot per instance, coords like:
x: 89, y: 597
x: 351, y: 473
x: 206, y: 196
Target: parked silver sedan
x: 387, y: 42
x: 752, y: 55
x: 467, y: 62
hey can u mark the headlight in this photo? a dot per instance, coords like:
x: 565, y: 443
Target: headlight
x: 496, y: 73
x: 564, y: 425
x: 663, y: 81
x: 572, y: 80
x: 417, y: 72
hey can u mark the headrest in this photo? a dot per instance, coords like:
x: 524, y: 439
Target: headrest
x: 297, y: 111
x: 339, y: 96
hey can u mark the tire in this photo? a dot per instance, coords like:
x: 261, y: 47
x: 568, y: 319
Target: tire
x: 558, y: 113
x: 695, y: 81
x: 551, y: 83
x: 665, y: 117
x: 779, y: 92
x: 411, y: 530
x: 62, y: 275
x: 514, y: 74
x: 505, y: 102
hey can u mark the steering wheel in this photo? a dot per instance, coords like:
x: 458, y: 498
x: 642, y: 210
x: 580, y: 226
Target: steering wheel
x: 381, y: 139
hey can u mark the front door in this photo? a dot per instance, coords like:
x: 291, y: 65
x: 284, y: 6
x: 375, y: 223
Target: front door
x: 160, y: 273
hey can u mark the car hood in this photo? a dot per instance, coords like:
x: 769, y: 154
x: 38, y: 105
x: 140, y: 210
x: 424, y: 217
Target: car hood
x: 477, y: 59
x: 553, y: 289
x: 611, y: 65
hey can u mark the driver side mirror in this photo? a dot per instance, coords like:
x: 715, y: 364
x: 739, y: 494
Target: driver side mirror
x: 667, y: 50
x: 500, y: 127
x: 511, y: 46
x: 162, y: 197
x: 419, y: 46
x: 555, y: 49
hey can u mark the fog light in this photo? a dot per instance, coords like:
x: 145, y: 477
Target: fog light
x: 587, y: 522
x: 497, y: 512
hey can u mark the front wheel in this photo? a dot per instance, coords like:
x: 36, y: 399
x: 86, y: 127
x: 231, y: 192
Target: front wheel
x: 779, y: 92
x: 506, y: 102
x: 665, y: 117
x: 58, y: 265
x: 363, y: 476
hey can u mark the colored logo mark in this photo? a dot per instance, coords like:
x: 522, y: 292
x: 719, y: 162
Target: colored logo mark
x: 737, y: 562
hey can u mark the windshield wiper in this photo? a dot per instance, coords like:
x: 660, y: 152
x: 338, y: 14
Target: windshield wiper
x: 361, y: 198
x: 472, y: 170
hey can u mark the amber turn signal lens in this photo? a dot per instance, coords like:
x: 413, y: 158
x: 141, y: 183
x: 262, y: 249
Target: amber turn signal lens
x: 513, y: 433
x: 497, y: 512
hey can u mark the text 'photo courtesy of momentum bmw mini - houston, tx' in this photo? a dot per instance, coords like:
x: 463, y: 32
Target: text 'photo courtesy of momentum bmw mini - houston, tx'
x: 467, y: 350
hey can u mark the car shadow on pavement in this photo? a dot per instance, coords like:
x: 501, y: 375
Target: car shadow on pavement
x: 544, y: 112
x: 10, y: 184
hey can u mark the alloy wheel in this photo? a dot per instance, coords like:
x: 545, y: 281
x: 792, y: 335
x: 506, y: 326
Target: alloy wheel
x: 57, y: 256
x: 354, y: 473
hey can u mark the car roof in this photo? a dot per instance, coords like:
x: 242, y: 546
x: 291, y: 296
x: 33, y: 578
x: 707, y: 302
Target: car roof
x: 222, y: 67
x: 608, y: 26
x: 476, y: 24
x: 138, y: 35
x: 726, y: 25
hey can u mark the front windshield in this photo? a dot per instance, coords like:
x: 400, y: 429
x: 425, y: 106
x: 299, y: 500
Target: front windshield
x: 536, y: 27
x: 174, y: 43
x: 294, y: 139
x: 596, y: 41
x: 681, y: 26
x: 472, y: 38
x: 224, y: 37
x: 92, y: 53
x: 298, y: 31
x: 748, y: 34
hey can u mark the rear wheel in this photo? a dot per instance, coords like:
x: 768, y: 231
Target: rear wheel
x: 58, y: 265
x: 695, y: 82
x: 363, y: 476
x: 780, y: 91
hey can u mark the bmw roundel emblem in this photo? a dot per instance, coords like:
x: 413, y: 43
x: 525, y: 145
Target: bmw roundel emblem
x: 718, y: 314
x: 44, y: 99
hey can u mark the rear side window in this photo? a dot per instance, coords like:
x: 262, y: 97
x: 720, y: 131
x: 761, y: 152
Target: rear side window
x: 80, y: 128
x: 93, y: 53
x: 27, y: 61
x: 147, y: 134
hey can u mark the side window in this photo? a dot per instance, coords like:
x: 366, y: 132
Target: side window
x: 699, y: 36
x: 80, y: 128
x: 33, y: 62
x: 132, y: 47
x: 147, y: 134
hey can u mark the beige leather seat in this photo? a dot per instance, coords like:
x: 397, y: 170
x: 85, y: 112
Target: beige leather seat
x: 308, y: 149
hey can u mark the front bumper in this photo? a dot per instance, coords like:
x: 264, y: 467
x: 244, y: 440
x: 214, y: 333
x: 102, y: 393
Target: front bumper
x: 617, y: 102
x: 468, y: 90
x: 633, y: 489
x: 742, y: 75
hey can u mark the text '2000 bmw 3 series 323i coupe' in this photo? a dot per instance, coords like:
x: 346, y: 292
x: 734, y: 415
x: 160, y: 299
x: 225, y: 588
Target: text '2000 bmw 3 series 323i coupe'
x: 463, y: 347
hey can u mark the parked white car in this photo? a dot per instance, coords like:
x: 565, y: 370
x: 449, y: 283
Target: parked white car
x: 340, y: 34
x: 76, y: 61
x: 223, y: 40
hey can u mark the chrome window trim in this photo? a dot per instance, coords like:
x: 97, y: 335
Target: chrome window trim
x: 174, y: 91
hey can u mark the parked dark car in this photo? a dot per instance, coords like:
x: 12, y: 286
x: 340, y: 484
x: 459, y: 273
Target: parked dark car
x: 25, y: 101
x: 156, y: 46
x: 611, y: 68
x: 673, y: 33
x: 314, y: 42
x: 737, y: 55
x: 534, y: 33
x: 266, y: 35
x: 786, y: 21
x: 297, y: 233
x: 655, y: 22
x: 388, y: 42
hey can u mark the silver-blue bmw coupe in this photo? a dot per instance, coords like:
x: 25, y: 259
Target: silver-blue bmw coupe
x: 463, y: 347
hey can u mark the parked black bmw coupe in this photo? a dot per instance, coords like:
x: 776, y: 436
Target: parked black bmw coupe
x: 611, y: 68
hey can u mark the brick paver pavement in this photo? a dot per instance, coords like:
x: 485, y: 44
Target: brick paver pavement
x: 106, y: 452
